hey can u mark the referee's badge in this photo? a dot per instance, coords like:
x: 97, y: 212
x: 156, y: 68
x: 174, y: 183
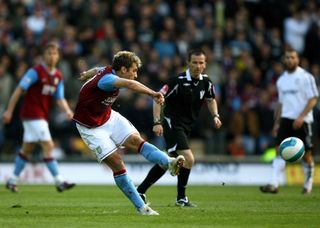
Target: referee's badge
x: 202, y: 94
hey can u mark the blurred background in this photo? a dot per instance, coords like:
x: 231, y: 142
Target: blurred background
x: 243, y: 40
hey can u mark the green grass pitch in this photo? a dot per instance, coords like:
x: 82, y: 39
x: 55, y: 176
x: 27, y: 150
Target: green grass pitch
x: 105, y: 206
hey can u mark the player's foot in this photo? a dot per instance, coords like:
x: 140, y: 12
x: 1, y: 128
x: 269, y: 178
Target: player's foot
x: 175, y: 164
x: 64, y: 186
x: 184, y: 203
x: 11, y: 186
x: 306, y: 191
x: 146, y: 210
x: 269, y: 189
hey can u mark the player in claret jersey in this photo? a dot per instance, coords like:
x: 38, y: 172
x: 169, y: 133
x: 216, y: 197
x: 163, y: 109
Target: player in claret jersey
x: 40, y: 85
x: 105, y: 130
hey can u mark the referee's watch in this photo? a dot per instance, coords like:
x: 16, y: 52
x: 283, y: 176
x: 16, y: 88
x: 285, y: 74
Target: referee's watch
x: 216, y: 116
x: 156, y: 121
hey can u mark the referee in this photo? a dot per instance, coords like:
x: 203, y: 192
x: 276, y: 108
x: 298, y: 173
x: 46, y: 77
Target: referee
x: 184, y: 97
x: 298, y: 96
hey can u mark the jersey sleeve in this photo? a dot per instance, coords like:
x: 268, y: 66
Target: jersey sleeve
x: 210, y: 92
x: 59, y: 94
x: 311, y: 87
x: 106, y: 83
x: 28, y: 79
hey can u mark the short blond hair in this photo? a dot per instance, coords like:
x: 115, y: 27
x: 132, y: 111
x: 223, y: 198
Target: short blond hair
x: 126, y: 59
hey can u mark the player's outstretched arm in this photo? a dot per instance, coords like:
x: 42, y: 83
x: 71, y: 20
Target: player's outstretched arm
x: 7, y: 115
x: 86, y: 75
x: 140, y: 88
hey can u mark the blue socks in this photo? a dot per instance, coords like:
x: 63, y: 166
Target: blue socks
x: 154, y: 155
x: 52, y: 165
x: 128, y: 188
x: 20, y: 163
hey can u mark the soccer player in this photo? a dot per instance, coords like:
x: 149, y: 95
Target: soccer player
x: 105, y: 130
x: 298, y: 95
x: 40, y: 85
x: 184, y: 97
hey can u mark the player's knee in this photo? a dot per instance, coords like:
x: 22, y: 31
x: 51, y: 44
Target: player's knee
x: 308, y: 156
x: 189, y: 160
x: 133, y: 142
x: 48, y: 147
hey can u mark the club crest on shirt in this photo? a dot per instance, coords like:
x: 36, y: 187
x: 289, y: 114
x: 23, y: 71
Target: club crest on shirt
x: 202, y: 94
x: 56, y: 81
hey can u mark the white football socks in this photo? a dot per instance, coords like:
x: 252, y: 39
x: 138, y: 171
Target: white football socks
x: 308, y: 170
x: 278, y: 165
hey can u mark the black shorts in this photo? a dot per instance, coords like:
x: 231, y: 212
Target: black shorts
x: 175, y: 136
x: 286, y: 130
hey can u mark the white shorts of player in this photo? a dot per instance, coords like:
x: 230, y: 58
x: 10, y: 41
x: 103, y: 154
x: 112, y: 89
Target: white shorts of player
x: 36, y: 131
x: 107, y: 138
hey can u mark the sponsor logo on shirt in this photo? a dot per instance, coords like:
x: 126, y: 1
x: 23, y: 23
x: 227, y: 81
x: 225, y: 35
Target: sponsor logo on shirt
x: 108, y: 101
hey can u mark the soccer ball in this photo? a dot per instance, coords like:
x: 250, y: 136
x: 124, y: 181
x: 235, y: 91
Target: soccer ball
x: 291, y: 149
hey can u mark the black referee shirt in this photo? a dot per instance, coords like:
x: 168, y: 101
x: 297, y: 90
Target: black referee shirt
x: 184, y: 97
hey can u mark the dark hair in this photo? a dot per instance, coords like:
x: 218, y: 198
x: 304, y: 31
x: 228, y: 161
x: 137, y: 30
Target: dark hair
x: 126, y: 59
x: 290, y: 49
x: 197, y: 51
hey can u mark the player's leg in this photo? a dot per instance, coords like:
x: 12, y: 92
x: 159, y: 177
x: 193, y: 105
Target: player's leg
x: 308, y: 170
x: 53, y: 167
x: 154, y: 174
x: 125, y: 184
x: 38, y: 131
x: 135, y: 143
x: 124, y: 133
x: 20, y: 161
x: 305, y: 134
x: 183, y: 177
x: 278, y: 164
x: 105, y: 150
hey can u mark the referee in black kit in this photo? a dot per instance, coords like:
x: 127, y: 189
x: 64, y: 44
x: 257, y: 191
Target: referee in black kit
x: 184, y: 97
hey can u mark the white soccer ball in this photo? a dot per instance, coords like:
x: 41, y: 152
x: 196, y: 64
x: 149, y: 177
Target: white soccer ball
x: 291, y: 149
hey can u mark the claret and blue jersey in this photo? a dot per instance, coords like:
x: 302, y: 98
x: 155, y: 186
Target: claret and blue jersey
x: 40, y: 86
x: 31, y: 77
x: 94, y: 105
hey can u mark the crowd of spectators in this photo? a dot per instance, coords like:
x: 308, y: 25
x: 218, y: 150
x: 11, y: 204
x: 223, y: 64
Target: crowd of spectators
x: 243, y: 40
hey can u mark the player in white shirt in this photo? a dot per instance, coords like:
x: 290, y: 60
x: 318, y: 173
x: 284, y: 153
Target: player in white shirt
x: 298, y: 94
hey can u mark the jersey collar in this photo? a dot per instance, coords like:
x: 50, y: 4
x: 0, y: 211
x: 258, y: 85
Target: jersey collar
x: 46, y: 68
x: 188, y: 75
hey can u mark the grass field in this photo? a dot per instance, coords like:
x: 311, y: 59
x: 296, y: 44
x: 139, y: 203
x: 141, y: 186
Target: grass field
x: 105, y: 206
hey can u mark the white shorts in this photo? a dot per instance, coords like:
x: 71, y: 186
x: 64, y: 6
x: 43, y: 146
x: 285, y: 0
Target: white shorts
x: 36, y: 131
x: 105, y: 139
